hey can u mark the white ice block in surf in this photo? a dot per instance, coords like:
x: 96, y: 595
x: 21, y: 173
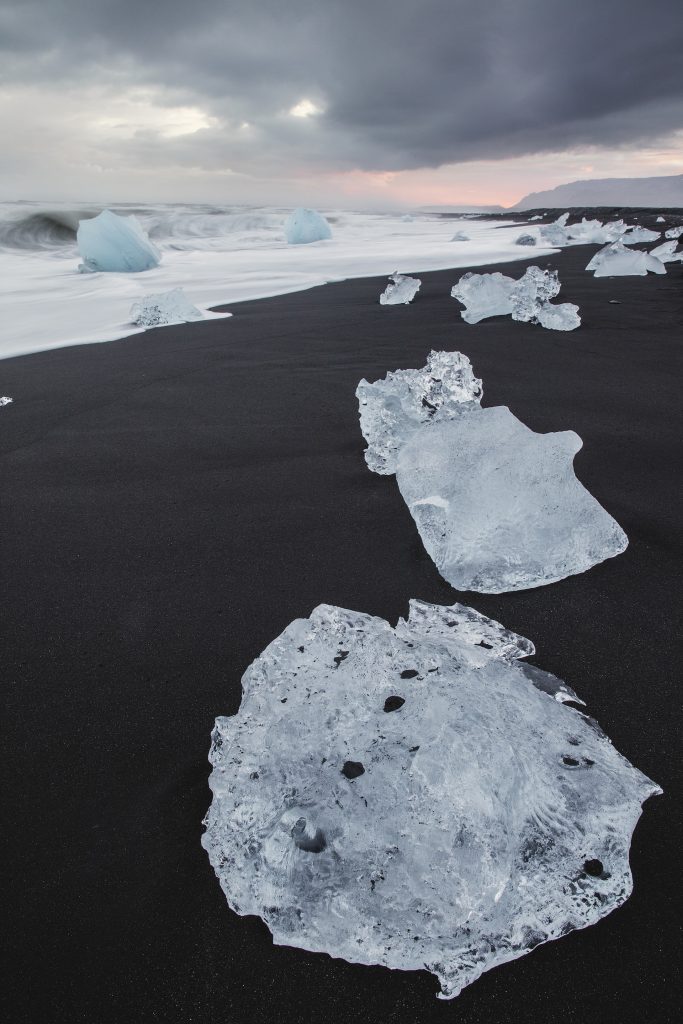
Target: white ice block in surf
x: 400, y: 291
x: 525, y: 239
x: 617, y: 260
x: 417, y: 796
x: 112, y: 243
x: 171, y: 307
x: 460, y: 236
x: 304, y: 226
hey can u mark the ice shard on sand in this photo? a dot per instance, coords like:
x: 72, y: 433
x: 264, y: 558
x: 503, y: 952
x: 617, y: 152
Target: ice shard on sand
x: 417, y: 796
x: 497, y: 506
x: 400, y: 291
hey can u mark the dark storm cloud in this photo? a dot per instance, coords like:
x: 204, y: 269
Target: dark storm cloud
x: 403, y: 84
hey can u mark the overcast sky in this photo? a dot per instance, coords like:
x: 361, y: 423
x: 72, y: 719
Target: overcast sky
x: 364, y: 102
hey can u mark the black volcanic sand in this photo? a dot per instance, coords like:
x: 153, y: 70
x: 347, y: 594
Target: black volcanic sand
x: 170, y: 502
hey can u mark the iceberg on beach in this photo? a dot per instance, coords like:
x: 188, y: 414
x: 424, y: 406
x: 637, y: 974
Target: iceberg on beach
x: 637, y: 234
x: 417, y: 796
x: 165, y: 308
x: 666, y: 252
x: 617, y: 260
x: 537, y: 216
x: 527, y: 299
x: 595, y: 232
x: 525, y: 240
x: 498, y: 506
x: 674, y: 232
x: 304, y: 226
x: 460, y: 236
x: 108, y: 242
x: 400, y: 291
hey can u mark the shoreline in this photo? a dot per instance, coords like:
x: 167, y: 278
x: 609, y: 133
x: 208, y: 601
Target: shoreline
x: 172, y: 500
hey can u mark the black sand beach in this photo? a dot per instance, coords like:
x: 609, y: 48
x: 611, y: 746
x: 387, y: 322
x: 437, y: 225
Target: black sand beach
x: 170, y: 502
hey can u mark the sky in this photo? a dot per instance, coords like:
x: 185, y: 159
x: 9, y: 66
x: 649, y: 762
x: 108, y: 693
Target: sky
x: 372, y: 104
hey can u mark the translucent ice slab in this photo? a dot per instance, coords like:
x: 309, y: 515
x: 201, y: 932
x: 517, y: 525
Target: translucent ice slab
x: 165, y: 308
x: 617, y: 260
x: 303, y: 226
x: 417, y: 797
x: 674, y: 232
x: 639, y: 234
x: 112, y: 243
x: 527, y: 299
x: 498, y: 506
x: 666, y: 252
x: 400, y: 291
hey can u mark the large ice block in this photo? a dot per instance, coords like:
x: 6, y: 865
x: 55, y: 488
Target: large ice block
x: 108, y: 242
x: 165, y: 308
x: 400, y: 291
x: 617, y: 260
x: 527, y: 299
x: 393, y: 408
x: 304, y: 226
x: 417, y: 796
x: 498, y: 506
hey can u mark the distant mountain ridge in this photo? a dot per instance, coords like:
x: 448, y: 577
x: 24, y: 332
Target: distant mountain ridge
x: 661, y: 191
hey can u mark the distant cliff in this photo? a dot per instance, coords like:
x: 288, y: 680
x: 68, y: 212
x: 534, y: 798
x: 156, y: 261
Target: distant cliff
x: 656, y: 192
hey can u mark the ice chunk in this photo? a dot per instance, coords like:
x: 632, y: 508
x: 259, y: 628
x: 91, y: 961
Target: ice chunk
x: 392, y: 409
x: 511, y: 513
x: 525, y: 240
x: 111, y: 243
x: 666, y: 252
x: 400, y: 290
x: 617, y: 260
x: 527, y: 299
x: 460, y: 236
x: 554, y: 235
x: 637, y: 234
x: 303, y: 226
x: 407, y: 218
x: 661, y: 220
x: 562, y: 220
x: 5, y: 400
x: 537, y: 216
x: 483, y: 295
x: 165, y: 308
x: 596, y: 233
x: 497, y: 505
x: 416, y: 797
x: 674, y: 232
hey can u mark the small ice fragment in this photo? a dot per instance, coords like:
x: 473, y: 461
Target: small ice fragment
x: 108, y: 242
x: 510, y: 513
x: 392, y: 409
x: 617, y: 260
x: 666, y: 252
x: 638, y: 234
x: 304, y: 226
x: 479, y: 818
x: 615, y: 302
x: 660, y: 220
x: 537, y: 216
x: 400, y: 290
x: 407, y: 219
x: 554, y: 235
x: 562, y: 220
x: 5, y: 400
x: 674, y: 232
x: 525, y: 240
x: 460, y: 236
x: 165, y: 308
x: 561, y: 316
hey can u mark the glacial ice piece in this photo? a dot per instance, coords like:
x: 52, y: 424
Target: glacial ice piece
x: 594, y: 232
x: 400, y: 290
x: 5, y: 400
x: 674, y: 232
x: 527, y: 299
x: 417, y: 796
x: 392, y: 409
x: 554, y: 235
x: 531, y: 301
x: 525, y: 240
x: 407, y: 218
x: 460, y: 236
x: 617, y: 260
x: 638, y: 234
x: 483, y: 295
x: 108, y: 242
x: 562, y: 220
x: 304, y: 226
x: 165, y: 308
x: 537, y: 216
x: 497, y: 506
x: 661, y: 220
x: 666, y: 252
